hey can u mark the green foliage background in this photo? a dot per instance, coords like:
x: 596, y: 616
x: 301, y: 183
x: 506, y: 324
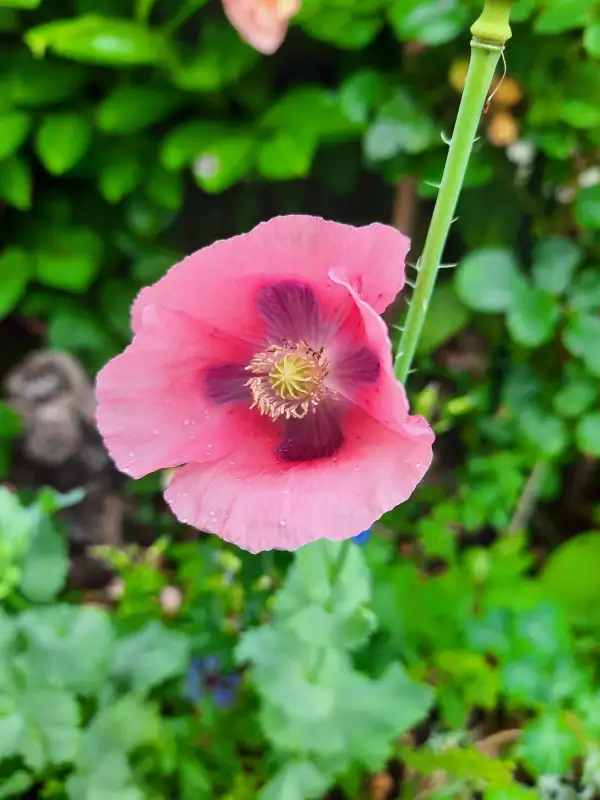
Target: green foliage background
x: 132, y: 132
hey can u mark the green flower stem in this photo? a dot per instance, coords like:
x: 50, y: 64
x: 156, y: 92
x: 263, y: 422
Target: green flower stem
x: 490, y: 32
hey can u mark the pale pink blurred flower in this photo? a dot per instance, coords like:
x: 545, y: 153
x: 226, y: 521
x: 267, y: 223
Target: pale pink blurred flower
x: 170, y: 599
x: 261, y: 23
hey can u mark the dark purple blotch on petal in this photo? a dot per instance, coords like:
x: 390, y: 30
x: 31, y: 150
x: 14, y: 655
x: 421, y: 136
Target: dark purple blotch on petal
x: 358, y: 367
x: 291, y: 311
x: 224, y: 383
x: 317, y: 435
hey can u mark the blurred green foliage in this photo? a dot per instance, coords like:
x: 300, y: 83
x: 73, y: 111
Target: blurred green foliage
x: 134, y: 131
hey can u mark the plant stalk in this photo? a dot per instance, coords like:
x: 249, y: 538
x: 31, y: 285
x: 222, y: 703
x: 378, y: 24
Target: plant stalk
x: 490, y: 32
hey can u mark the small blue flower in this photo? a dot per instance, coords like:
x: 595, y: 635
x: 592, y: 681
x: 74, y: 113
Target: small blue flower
x: 203, y: 676
x: 363, y: 537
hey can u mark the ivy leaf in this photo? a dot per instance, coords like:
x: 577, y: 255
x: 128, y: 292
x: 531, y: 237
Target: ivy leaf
x: 554, y: 261
x: 487, y: 279
x: 532, y: 315
x: 399, y: 127
x: 581, y: 337
x: 588, y: 434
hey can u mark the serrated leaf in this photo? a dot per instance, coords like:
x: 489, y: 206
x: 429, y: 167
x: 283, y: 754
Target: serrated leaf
x: 46, y: 564
x: 68, y: 647
x: 297, y: 780
x: 548, y: 744
x: 150, y: 657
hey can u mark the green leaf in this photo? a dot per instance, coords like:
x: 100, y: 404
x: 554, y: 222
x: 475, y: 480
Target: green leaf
x: 164, y: 187
x: 27, y: 5
x: 588, y: 434
x: 39, y: 83
x: 70, y: 258
x: 129, y: 108
x: 224, y: 163
x: 16, y: 785
x: 559, y: 16
x: 487, y: 280
x: 62, y: 140
x: 400, y: 127
x: 185, y: 143
x: 221, y: 58
x: 10, y: 422
x: 116, y: 298
x: 68, y: 647
x: 15, y: 269
x: 570, y: 576
x: 98, y: 40
x: 15, y: 182
x: 297, y: 780
x: 14, y: 127
x: 546, y: 433
x: 585, y: 291
x: 346, y: 28
x: 548, y: 744
x: 446, y: 316
x: 586, y: 210
x: 532, y: 316
x: 150, y: 657
x: 121, y: 172
x: 46, y: 565
x: 361, y: 93
x: 581, y: 338
x: 287, y: 155
x: 575, y: 397
x: 426, y: 21
x: 591, y: 39
x: 103, y: 771
x: 41, y: 725
x: 554, y: 261
x: 74, y: 330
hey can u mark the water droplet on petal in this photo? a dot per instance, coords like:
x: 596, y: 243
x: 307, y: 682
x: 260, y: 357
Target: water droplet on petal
x: 282, y: 523
x: 286, y: 491
x: 357, y: 468
x: 186, y: 422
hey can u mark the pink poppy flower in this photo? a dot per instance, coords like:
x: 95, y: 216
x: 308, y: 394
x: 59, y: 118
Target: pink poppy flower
x: 260, y: 364
x: 261, y: 23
